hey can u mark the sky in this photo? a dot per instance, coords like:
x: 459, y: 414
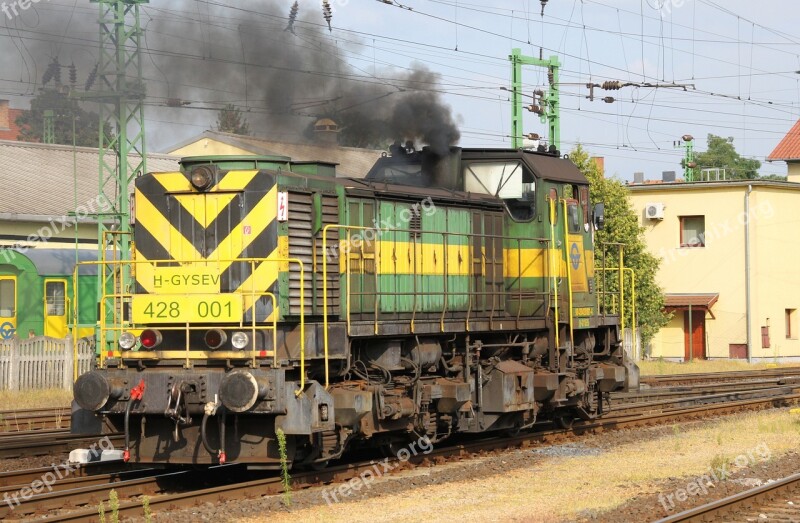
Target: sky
x: 700, y: 67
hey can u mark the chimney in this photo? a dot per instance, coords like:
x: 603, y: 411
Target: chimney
x: 668, y: 176
x: 601, y: 163
x: 5, y: 122
x: 326, y: 132
x: 638, y: 177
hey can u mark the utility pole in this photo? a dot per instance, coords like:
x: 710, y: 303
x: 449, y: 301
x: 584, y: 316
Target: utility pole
x: 549, y: 110
x: 687, y: 142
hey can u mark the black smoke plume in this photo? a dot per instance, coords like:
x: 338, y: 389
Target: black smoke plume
x: 200, y: 56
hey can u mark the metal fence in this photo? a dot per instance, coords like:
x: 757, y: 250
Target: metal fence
x: 43, y: 362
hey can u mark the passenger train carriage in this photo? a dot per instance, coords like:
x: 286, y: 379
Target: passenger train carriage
x: 441, y: 294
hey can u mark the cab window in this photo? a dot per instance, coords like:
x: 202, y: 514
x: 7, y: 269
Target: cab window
x: 509, y: 180
x: 8, y: 304
x: 573, y: 217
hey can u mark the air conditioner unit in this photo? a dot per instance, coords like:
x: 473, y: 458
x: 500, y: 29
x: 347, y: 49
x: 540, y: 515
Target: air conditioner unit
x: 654, y: 211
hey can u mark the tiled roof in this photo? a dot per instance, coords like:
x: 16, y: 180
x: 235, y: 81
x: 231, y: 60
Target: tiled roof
x: 12, y: 132
x: 352, y: 162
x: 37, y: 179
x: 682, y: 301
x: 789, y: 147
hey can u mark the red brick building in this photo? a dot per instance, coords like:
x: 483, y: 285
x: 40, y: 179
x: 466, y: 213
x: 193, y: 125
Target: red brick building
x: 8, y: 121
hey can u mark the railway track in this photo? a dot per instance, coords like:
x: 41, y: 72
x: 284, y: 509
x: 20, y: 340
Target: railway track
x: 717, y: 377
x: 44, y: 443
x: 776, y: 501
x: 30, y: 420
x: 77, y: 499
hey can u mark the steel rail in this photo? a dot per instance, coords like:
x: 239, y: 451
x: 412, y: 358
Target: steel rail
x: 757, y: 499
x: 272, y: 485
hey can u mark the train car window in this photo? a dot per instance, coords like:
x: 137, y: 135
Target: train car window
x: 509, y: 180
x: 56, y: 298
x: 573, y: 218
x: 8, y: 304
x: 501, y: 179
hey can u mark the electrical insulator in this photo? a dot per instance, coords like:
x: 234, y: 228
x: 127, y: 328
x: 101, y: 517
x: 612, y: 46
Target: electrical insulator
x: 687, y: 137
x: 550, y: 76
x: 538, y: 92
x: 292, y: 17
x: 326, y: 13
x: 609, y: 99
x: 53, y: 71
x: 56, y: 70
x: 691, y: 165
x: 91, y: 78
x: 73, y: 74
x: 612, y: 85
x: 544, y: 3
x: 537, y: 109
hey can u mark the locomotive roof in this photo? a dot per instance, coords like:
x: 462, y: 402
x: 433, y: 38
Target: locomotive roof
x: 543, y: 165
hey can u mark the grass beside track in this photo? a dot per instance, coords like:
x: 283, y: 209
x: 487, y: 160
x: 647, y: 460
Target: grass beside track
x: 566, y: 488
x: 34, y: 399
x: 661, y: 367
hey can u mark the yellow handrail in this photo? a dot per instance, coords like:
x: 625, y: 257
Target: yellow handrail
x: 557, y: 266
x: 622, y: 298
x: 325, y: 288
x: 252, y: 261
x: 569, y: 272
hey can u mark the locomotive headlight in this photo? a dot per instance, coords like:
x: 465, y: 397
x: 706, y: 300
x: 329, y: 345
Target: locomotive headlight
x: 239, y: 340
x: 127, y: 340
x: 150, y: 338
x: 215, y: 338
x: 202, y: 177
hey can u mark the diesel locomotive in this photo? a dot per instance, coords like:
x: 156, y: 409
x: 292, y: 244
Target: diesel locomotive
x: 443, y: 293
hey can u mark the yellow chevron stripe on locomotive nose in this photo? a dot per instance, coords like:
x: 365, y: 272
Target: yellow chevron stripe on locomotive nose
x: 255, y: 222
x: 173, y: 240
x: 208, y: 216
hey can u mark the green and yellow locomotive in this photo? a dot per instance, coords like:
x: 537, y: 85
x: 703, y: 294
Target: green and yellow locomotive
x: 442, y: 294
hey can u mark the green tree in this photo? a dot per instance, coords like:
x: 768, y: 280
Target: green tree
x: 31, y: 123
x: 721, y: 153
x: 231, y: 120
x: 622, y: 226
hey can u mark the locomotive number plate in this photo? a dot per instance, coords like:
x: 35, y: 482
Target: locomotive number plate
x: 189, y: 308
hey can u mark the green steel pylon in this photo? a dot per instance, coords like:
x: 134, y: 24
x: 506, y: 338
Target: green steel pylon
x: 550, y: 113
x: 49, y: 132
x: 120, y: 92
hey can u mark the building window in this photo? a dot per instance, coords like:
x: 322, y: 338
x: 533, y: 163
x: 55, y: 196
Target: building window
x: 693, y: 231
x: 791, y: 324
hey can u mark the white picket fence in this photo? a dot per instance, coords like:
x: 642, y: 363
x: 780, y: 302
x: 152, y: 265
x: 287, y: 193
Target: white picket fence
x: 43, y: 362
x: 633, y: 351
